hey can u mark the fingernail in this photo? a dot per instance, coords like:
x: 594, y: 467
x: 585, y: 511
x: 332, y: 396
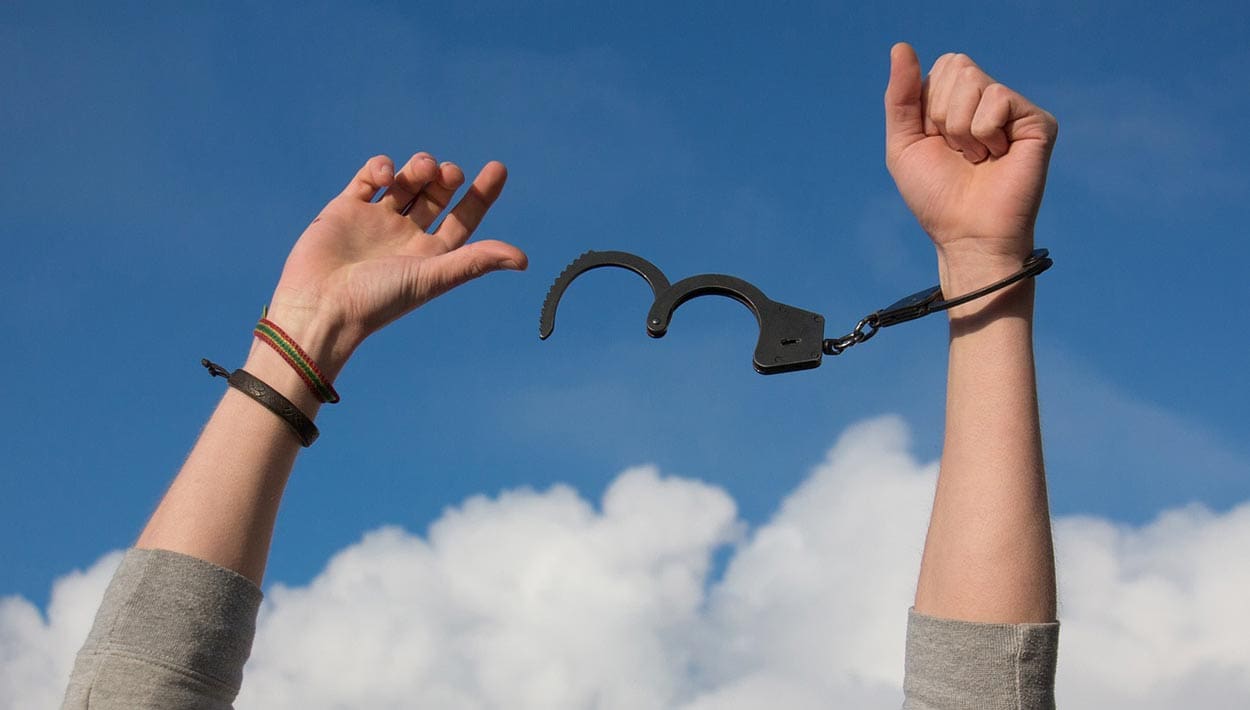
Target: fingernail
x: 510, y: 265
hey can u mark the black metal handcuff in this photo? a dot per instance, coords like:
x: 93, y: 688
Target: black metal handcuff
x: 790, y: 338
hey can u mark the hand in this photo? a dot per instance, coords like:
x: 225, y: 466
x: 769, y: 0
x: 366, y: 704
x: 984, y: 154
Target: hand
x: 362, y: 264
x: 969, y: 157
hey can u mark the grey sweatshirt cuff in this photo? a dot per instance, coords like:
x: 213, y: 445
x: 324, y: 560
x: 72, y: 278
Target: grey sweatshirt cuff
x: 961, y: 664
x: 169, y: 619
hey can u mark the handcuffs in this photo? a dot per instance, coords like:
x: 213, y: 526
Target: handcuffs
x: 791, y: 338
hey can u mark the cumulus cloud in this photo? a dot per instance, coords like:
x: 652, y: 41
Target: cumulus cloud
x: 530, y: 600
x: 37, y: 652
x: 542, y: 599
x: 1156, y: 617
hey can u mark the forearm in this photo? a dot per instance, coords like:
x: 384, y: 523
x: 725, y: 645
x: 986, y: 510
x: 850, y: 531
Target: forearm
x: 176, y: 613
x: 988, y: 555
x: 224, y: 502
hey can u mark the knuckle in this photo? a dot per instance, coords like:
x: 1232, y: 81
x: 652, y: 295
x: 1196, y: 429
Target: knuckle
x: 996, y: 91
x: 1052, y: 124
x: 982, y: 128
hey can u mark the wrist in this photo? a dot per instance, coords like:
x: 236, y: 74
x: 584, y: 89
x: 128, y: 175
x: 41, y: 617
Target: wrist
x: 326, y: 345
x: 966, y: 265
x: 963, y: 272
x: 326, y: 338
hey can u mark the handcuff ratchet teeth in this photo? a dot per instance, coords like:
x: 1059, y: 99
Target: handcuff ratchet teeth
x: 791, y: 338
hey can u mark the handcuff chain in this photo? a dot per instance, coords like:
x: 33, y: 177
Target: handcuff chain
x: 835, y: 346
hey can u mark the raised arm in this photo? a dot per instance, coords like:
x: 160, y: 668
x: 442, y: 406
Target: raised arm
x: 174, y: 631
x: 969, y: 156
x: 359, y: 266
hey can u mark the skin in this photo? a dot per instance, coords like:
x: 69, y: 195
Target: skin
x: 969, y: 157
x: 358, y: 266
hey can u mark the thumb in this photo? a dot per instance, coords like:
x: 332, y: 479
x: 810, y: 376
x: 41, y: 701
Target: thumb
x: 447, y: 271
x: 904, y: 113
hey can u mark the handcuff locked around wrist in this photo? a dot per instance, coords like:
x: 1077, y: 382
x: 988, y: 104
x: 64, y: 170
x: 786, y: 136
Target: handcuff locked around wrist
x: 791, y: 338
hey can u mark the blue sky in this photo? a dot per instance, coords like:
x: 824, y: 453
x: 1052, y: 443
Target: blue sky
x: 159, y: 161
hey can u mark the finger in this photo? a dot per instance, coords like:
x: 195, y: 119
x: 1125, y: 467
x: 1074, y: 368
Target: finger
x: 941, y: 83
x: 904, y: 112
x: 934, y: 83
x: 954, y: 82
x: 962, y: 105
x: 409, y: 181
x: 377, y: 173
x: 447, y: 271
x: 1005, y: 117
x: 431, y: 201
x: 469, y: 211
x: 990, y: 119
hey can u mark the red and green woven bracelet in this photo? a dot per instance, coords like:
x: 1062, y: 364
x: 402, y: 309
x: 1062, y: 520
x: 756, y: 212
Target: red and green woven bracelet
x: 277, y: 339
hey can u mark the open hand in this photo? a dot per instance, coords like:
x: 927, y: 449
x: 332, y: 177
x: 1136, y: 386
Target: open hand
x: 362, y: 264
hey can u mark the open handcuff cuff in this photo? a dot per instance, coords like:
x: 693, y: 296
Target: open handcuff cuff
x: 790, y: 338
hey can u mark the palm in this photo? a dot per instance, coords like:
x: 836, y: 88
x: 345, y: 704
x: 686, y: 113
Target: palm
x: 365, y: 263
x: 994, y: 202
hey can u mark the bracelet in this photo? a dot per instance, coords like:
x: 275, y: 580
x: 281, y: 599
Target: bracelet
x: 248, y: 384
x: 276, y: 338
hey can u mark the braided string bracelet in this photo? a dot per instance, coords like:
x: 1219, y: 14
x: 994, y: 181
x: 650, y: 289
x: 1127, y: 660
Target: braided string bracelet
x: 276, y: 338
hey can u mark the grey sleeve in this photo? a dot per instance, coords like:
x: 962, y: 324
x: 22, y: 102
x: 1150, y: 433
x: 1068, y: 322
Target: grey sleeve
x: 953, y: 665
x: 172, y: 632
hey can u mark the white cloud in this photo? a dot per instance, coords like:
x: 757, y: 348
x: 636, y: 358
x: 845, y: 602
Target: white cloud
x: 541, y: 599
x: 814, y: 605
x: 37, y: 653
x: 531, y: 600
x: 1156, y: 617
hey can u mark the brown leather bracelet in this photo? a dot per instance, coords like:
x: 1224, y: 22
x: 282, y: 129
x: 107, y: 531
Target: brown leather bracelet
x: 248, y: 384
